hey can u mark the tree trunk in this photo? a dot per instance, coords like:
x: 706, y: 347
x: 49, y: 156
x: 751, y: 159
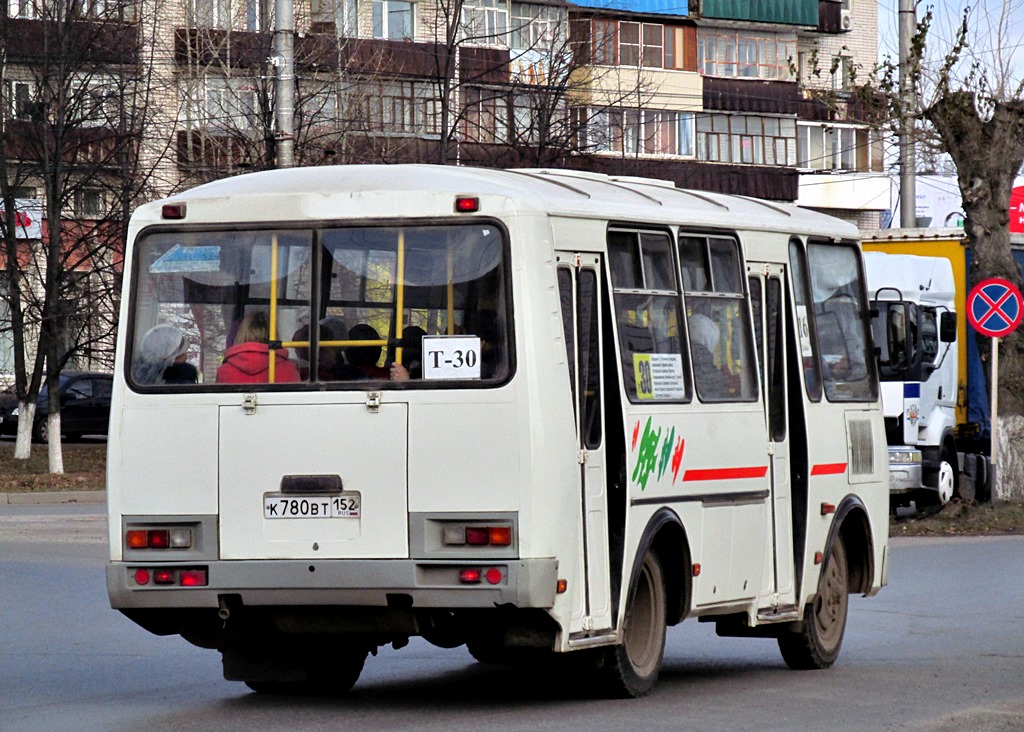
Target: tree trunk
x: 26, y: 418
x: 987, y: 148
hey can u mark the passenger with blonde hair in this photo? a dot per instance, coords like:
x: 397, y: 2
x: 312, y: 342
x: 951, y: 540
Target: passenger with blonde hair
x: 248, y: 360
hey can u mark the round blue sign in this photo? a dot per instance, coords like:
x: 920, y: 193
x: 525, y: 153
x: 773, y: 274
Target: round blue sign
x: 994, y: 307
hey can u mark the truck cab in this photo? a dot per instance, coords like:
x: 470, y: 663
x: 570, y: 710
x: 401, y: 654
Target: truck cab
x: 915, y: 334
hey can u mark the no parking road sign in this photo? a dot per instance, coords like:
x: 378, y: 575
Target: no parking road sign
x: 994, y: 307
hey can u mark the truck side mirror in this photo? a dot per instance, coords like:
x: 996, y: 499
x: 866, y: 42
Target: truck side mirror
x: 947, y: 327
x: 896, y: 336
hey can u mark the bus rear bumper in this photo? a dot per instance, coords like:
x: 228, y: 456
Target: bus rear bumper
x: 526, y: 583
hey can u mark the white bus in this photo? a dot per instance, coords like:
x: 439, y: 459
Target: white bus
x: 536, y: 412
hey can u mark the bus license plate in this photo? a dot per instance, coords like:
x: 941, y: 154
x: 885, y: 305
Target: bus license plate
x: 277, y: 506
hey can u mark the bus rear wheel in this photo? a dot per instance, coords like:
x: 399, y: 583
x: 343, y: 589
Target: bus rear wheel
x: 632, y: 667
x: 327, y: 672
x: 816, y: 645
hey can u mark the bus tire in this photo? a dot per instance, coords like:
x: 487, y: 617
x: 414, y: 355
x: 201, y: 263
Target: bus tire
x: 327, y: 674
x: 817, y: 643
x: 632, y: 667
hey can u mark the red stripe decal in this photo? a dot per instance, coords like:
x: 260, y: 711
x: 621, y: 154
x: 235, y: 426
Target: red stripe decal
x: 829, y: 469
x: 726, y: 473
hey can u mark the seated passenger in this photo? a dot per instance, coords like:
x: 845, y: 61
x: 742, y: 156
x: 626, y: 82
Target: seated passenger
x: 704, y: 336
x: 161, y: 358
x: 248, y: 360
x: 330, y: 360
x: 412, y: 355
x: 364, y: 358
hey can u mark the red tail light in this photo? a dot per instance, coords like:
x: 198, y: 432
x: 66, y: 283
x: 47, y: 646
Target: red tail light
x: 192, y: 578
x: 477, y: 535
x: 159, y: 538
x: 163, y: 576
x: 469, y: 576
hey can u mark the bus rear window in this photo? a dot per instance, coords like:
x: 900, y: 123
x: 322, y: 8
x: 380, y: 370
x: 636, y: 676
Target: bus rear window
x: 342, y: 305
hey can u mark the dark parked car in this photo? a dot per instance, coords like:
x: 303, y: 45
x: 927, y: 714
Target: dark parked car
x: 85, y: 407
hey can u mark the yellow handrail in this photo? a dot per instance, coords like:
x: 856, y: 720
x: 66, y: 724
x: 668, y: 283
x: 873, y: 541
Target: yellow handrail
x: 271, y: 354
x: 451, y: 291
x: 400, y: 294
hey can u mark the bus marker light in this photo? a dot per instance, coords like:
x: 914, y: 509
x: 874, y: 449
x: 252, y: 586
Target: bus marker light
x: 173, y: 211
x: 819, y: 557
x: 469, y: 576
x: 454, y: 535
x: 500, y: 535
x: 163, y: 576
x: 827, y: 508
x: 192, y: 578
x: 159, y: 538
x: 181, y: 538
x: 467, y: 204
x: 696, y: 570
x: 562, y: 586
x: 142, y: 576
x: 493, y: 575
x: 137, y: 539
x: 477, y: 535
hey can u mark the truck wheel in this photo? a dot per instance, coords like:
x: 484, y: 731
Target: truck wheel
x: 946, y: 481
x: 632, y: 667
x: 816, y: 645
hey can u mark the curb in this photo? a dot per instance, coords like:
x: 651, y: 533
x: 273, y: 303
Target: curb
x: 52, y: 497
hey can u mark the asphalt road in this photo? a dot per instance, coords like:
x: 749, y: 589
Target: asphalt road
x: 941, y: 648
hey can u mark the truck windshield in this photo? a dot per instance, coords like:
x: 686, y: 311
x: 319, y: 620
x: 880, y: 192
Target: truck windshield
x: 295, y: 307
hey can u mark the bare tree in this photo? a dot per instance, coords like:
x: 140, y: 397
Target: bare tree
x: 74, y: 137
x: 969, y: 103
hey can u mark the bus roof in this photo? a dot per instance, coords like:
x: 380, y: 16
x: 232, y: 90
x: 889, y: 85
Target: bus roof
x: 343, y: 191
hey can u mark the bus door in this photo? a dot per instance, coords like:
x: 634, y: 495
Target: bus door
x: 579, y: 284
x: 768, y: 303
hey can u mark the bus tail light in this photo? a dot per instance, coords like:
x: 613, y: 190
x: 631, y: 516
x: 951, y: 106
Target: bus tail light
x: 177, y: 537
x: 182, y: 577
x: 469, y: 576
x: 478, y: 535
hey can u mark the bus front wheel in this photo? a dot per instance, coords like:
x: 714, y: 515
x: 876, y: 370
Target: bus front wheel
x: 632, y: 667
x: 816, y: 645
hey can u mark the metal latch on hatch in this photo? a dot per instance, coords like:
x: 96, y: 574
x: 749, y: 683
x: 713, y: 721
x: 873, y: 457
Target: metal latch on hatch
x: 373, y: 402
x: 249, y: 404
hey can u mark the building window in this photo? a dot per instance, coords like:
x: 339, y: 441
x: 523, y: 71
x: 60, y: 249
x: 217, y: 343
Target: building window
x: 485, y: 22
x: 836, y: 147
x: 227, y: 104
x: 746, y: 139
x: 485, y: 116
x: 404, y: 108
x: 213, y: 13
x: 746, y: 54
x: 650, y: 132
x: 394, y: 19
x: 89, y: 204
x: 340, y: 14
x: 842, y: 73
x: 536, y: 27
x: 21, y: 8
x: 651, y: 45
x: 20, y: 104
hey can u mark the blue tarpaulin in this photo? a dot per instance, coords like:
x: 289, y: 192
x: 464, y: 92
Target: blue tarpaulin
x: 678, y: 8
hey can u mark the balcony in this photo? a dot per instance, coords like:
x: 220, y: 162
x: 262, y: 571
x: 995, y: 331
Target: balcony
x: 783, y: 12
x: 89, y: 41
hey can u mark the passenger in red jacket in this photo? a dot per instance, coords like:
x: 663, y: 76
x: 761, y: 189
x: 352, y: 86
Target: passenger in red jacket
x: 247, y: 361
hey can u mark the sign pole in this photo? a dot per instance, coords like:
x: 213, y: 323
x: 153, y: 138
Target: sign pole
x: 995, y: 308
x: 993, y: 421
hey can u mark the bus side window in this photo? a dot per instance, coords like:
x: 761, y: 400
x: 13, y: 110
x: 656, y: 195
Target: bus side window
x: 718, y: 319
x: 648, y: 316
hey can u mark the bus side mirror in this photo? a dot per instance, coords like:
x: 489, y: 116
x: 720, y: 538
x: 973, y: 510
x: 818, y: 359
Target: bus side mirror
x: 947, y: 327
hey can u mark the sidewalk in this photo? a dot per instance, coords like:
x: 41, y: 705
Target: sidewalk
x: 52, y: 497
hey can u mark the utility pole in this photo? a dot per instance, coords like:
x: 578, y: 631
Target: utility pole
x: 908, y: 186
x: 284, y: 83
